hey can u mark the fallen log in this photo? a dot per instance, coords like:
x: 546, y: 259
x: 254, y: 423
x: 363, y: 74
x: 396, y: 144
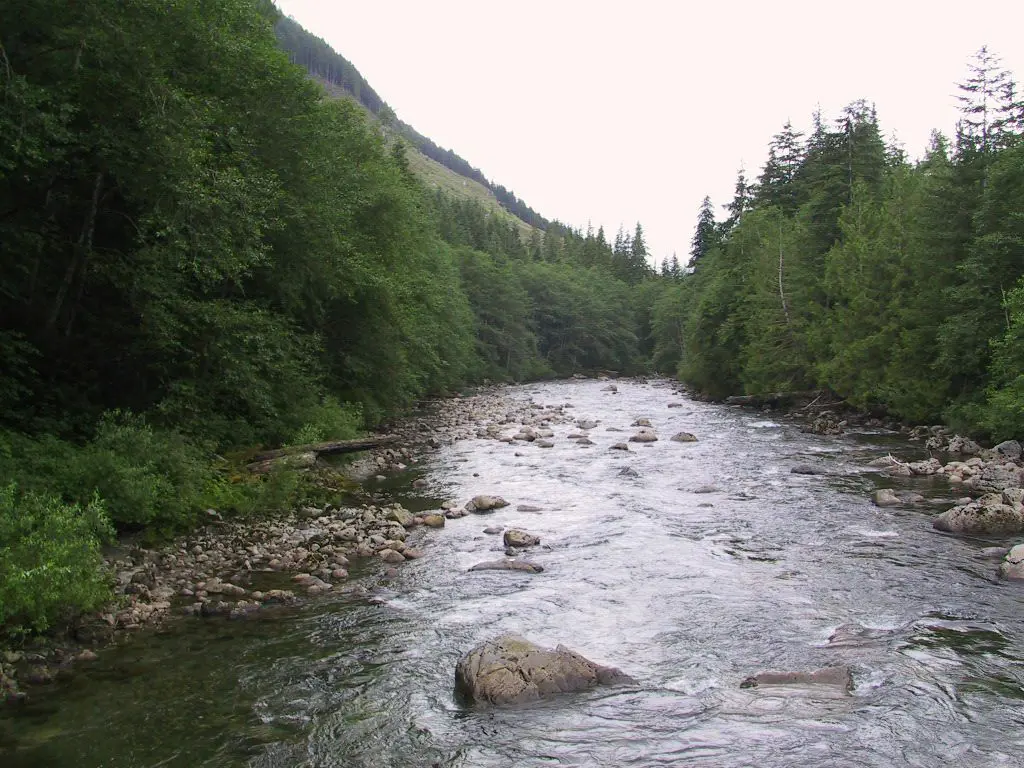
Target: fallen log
x: 305, y: 456
x: 774, y: 399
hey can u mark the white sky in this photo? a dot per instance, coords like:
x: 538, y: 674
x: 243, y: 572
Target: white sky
x: 618, y: 112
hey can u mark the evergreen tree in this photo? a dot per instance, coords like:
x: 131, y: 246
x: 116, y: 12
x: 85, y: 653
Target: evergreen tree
x: 705, y: 235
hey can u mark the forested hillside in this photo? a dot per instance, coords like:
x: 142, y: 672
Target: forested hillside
x: 201, y: 254
x: 896, y: 284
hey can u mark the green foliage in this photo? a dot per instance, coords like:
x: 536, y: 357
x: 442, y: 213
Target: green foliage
x: 50, y: 564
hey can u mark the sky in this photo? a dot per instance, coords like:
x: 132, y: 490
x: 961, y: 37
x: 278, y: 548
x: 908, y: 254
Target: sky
x: 612, y: 113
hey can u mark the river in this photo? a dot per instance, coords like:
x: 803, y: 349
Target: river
x: 688, y: 592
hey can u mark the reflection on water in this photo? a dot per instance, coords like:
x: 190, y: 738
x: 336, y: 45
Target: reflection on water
x: 688, y: 592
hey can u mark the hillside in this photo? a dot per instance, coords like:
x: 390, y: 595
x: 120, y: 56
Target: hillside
x: 438, y: 167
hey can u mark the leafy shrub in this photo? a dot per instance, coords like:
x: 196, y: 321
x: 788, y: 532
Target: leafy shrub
x: 330, y: 420
x: 50, y: 562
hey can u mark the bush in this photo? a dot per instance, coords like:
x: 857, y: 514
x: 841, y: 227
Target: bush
x: 331, y: 420
x: 50, y: 564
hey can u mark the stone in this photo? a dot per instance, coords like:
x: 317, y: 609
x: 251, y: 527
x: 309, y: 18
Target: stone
x: 993, y: 553
x: 511, y: 670
x: 529, y: 508
x: 925, y: 468
x: 544, y: 444
x: 1012, y: 566
x: 705, y: 489
x: 586, y: 424
x: 493, y: 530
x: 806, y: 469
x: 885, y: 497
x: 684, y: 437
x: 628, y: 472
x: 433, y: 520
x: 485, y: 503
x: 960, y: 444
x: 517, y: 538
x: 984, y: 517
x: 508, y: 565
x: 995, y: 478
x: 642, y: 423
x: 619, y: 447
x: 391, y: 556
x: 402, y: 516
x: 420, y: 483
x: 838, y: 677
x: 1011, y: 449
x: 610, y: 388
x: 644, y: 436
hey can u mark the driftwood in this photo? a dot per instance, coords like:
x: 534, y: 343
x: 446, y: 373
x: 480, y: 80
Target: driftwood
x: 305, y: 456
x: 774, y: 399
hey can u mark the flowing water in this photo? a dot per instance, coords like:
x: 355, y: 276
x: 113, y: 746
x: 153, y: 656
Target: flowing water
x: 688, y: 592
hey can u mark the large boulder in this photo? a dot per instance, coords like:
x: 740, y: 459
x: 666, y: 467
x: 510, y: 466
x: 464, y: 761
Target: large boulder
x: 994, y: 478
x: 1011, y: 449
x: 992, y: 515
x: 485, y: 503
x: 885, y: 497
x: 961, y: 444
x: 1012, y: 566
x: 644, y: 436
x: 512, y: 670
x: 684, y: 437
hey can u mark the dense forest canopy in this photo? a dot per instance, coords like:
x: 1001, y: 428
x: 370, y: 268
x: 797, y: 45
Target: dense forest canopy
x: 896, y: 284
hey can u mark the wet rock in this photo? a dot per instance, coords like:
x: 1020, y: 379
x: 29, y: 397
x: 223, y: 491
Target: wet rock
x: 391, y: 556
x: 885, y: 497
x: 644, y: 436
x: 412, y: 554
x: 544, y: 444
x: 610, y: 388
x: 508, y: 565
x: 807, y: 469
x: 419, y: 483
x: 642, y: 423
x: 517, y: 538
x: 585, y: 442
x: 619, y: 447
x: 995, y: 478
x: 577, y: 436
x: 1012, y: 566
x: 993, y: 553
x: 925, y: 468
x: 684, y: 437
x: 512, y: 670
x: 433, y: 520
x: 705, y: 489
x: 493, y: 530
x: 628, y: 472
x: 529, y: 508
x: 485, y: 503
x: 1011, y: 449
x: 838, y: 677
x: 586, y: 424
x: 337, y: 574
x: 988, y: 516
x: 86, y: 655
x: 675, y: 405
x: 883, y: 461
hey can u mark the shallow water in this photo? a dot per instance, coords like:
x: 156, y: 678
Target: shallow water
x: 688, y: 592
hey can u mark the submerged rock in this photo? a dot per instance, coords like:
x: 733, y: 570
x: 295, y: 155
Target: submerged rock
x: 838, y: 677
x: 806, y: 469
x: 644, y: 436
x: 684, y: 437
x: 512, y: 670
x: 508, y: 565
x: 885, y: 497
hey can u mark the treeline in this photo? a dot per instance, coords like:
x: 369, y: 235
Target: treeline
x: 317, y: 56
x: 896, y: 284
x: 201, y: 254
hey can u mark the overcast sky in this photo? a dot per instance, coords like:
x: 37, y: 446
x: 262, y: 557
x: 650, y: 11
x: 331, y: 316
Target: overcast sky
x: 618, y: 112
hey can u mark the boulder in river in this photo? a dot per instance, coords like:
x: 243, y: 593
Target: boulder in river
x: 586, y: 424
x: 837, y: 677
x: 684, y: 437
x: 885, y: 497
x: 517, y: 538
x: 644, y: 436
x: 433, y: 520
x: 511, y: 670
x: 619, y: 447
x: 642, y: 423
x: 1012, y: 566
x: 402, y: 516
x: 960, y: 444
x: 1011, y: 449
x: 991, y: 515
x: 807, y: 469
x: 485, y: 503
x: 508, y: 565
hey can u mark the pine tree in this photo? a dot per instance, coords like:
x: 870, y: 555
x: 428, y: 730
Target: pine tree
x: 705, y: 235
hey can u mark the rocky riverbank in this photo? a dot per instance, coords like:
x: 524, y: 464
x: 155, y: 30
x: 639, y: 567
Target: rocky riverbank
x: 236, y: 569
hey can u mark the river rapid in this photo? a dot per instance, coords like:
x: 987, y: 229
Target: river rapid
x: 688, y: 592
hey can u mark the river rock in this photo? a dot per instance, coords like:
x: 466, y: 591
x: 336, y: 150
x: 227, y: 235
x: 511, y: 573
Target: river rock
x: 684, y: 437
x: 391, y: 556
x: 644, y: 436
x: 960, y: 444
x: 885, y: 497
x: 485, y: 503
x: 993, y: 553
x: 433, y: 520
x: 807, y: 469
x: 512, y: 670
x: 508, y: 565
x: 529, y: 508
x: 995, y: 478
x: 988, y: 516
x: 925, y: 468
x: 628, y: 472
x: 586, y: 424
x: 619, y: 447
x: 544, y: 444
x: 838, y: 677
x: 402, y: 516
x: 1011, y: 449
x: 517, y: 538
x: 493, y: 530
x: 642, y: 423
x: 1012, y: 566
x: 610, y: 388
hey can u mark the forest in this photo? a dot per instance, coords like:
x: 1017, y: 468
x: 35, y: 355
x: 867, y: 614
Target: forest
x: 896, y: 284
x: 202, y: 255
